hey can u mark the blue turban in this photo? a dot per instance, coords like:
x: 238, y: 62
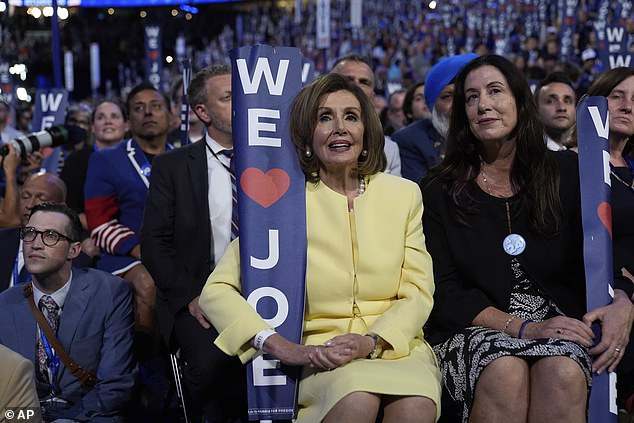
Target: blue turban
x: 441, y: 75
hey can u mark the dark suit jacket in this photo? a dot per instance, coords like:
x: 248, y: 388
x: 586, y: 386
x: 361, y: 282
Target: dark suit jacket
x: 9, y: 243
x: 416, y: 145
x: 176, y: 232
x: 472, y: 271
x: 74, y: 176
x: 96, y: 329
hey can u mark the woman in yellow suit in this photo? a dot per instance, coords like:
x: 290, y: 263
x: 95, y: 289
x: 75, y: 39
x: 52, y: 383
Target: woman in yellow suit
x: 369, y: 286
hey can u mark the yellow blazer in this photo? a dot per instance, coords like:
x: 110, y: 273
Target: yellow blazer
x: 367, y: 271
x: 380, y: 283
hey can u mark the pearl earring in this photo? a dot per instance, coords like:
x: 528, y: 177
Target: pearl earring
x: 308, y: 152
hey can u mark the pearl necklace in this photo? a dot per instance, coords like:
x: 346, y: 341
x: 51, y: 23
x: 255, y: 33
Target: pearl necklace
x: 361, y: 185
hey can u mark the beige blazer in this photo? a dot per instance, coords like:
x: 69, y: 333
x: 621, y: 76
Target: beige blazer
x: 17, y: 381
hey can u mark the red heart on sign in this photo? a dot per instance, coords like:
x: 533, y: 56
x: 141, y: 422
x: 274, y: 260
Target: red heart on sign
x: 264, y: 188
x: 604, y: 211
x: 153, y: 54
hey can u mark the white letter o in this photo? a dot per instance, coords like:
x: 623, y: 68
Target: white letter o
x: 280, y: 299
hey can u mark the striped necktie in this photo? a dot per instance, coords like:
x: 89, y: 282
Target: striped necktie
x: 234, y: 193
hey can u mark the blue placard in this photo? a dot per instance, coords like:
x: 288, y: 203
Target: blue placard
x: 617, y: 37
x: 308, y: 71
x: 600, y: 24
x: 50, y: 108
x: 612, y: 36
x: 7, y: 85
x: 153, y: 59
x: 594, y: 173
x: 272, y: 208
x: 569, y: 22
x: 184, y: 106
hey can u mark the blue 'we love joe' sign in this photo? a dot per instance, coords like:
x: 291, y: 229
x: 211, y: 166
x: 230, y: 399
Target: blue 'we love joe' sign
x: 594, y: 173
x: 272, y: 213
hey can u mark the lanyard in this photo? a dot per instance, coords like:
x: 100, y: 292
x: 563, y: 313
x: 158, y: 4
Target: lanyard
x: 139, y: 161
x: 227, y: 168
x: 16, y: 274
x: 142, y: 166
x: 53, y: 362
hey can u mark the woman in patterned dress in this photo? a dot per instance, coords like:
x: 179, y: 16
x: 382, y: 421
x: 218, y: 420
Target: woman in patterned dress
x: 502, y: 223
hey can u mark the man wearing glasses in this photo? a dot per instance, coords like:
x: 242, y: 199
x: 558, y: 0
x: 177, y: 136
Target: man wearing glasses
x: 37, y: 189
x: 89, y: 311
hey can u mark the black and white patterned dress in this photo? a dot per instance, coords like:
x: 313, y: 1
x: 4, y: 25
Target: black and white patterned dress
x: 464, y: 356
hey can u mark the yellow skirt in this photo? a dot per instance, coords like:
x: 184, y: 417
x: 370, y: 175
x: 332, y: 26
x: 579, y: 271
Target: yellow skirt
x: 414, y: 375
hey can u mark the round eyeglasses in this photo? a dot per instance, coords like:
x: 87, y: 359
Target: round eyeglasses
x: 49, y: 237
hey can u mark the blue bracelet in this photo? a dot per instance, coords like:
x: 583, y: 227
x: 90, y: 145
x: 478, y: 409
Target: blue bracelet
x: 521, y: 331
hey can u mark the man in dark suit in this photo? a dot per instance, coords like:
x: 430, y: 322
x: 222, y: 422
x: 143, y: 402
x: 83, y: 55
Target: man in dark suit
x: 186, y: 229
x: 90, y: 311
x: 422, y: 143
x: 37, y: 189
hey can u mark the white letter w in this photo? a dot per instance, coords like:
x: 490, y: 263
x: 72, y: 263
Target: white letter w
x: 250, y: 86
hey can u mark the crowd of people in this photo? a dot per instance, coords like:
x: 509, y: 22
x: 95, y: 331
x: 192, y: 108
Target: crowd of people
x: 445, y: 275
x: 402, y: 38
x: 137, y: 211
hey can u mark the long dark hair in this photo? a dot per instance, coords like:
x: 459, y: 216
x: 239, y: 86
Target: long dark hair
x: 534, y: 174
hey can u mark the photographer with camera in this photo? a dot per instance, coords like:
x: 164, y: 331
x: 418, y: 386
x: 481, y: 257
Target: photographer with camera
x: 28, y: 146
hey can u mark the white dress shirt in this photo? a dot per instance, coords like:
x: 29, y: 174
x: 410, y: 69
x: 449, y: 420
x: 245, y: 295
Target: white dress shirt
x: 59, y: 296
x: 219, y: 197
x: 393, y: 157
x: 553, y: 146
